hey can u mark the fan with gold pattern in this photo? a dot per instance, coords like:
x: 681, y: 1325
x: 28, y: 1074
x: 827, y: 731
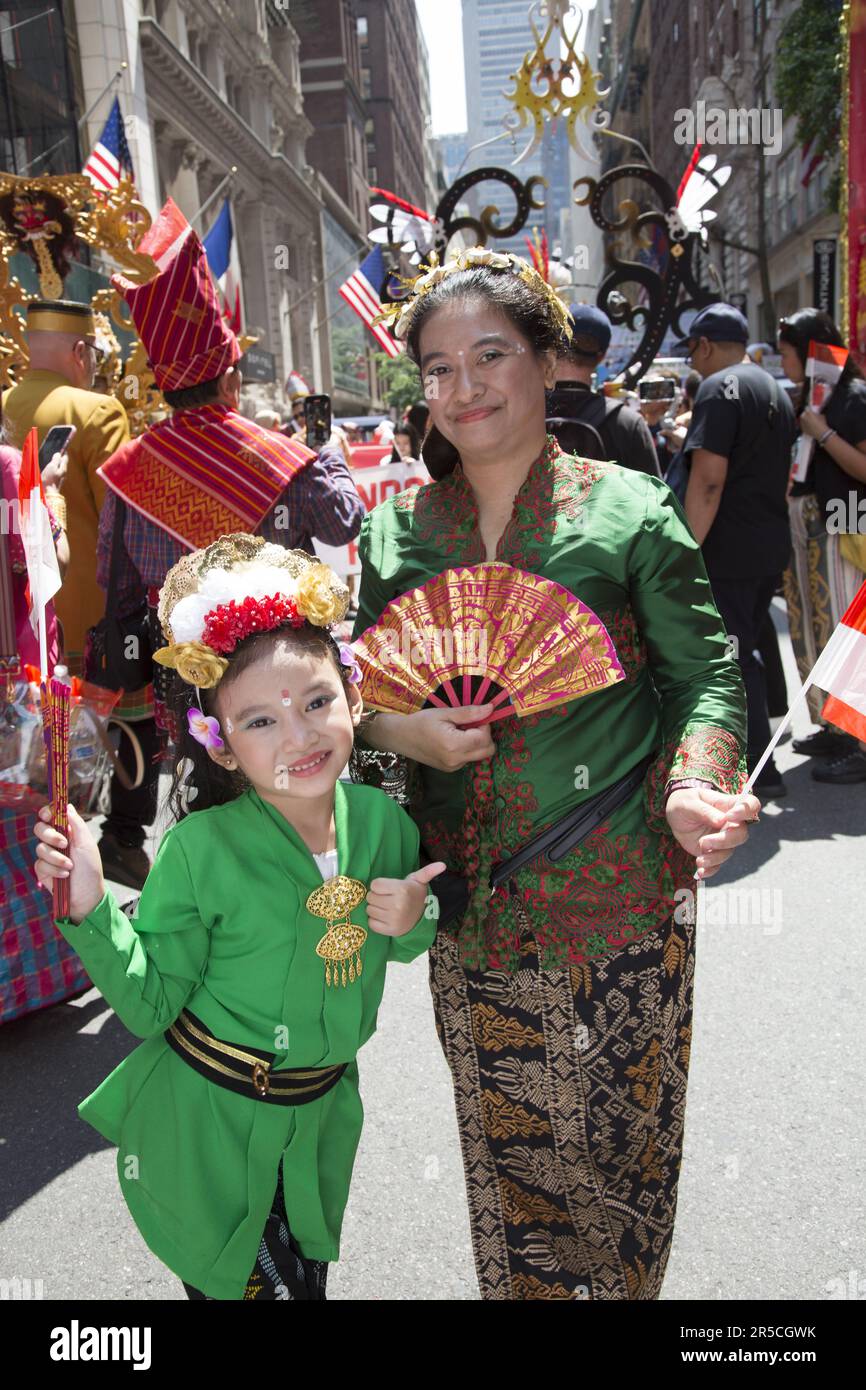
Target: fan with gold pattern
x: 483, y: 634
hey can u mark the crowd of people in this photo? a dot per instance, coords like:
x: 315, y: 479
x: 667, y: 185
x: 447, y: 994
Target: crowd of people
x: 572, y: 1157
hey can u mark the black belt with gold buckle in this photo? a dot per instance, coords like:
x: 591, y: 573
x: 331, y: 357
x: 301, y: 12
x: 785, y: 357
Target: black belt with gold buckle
x: 246, y: 1071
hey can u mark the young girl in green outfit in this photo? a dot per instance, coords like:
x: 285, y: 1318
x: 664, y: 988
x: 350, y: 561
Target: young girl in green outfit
x: 255, y: 964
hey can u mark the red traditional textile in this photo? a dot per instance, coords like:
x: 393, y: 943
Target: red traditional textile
x: 177, y: 313
x: 204, y: 473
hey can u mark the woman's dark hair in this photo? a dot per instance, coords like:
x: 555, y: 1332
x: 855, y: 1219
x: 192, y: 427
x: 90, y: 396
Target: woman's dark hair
x: 690, y: 385
x: 216, y: 785
x: 414, y: 442
x: 191, y: 396
x: 527, y: 311
x: 814, y: 326
x: 418, y: 416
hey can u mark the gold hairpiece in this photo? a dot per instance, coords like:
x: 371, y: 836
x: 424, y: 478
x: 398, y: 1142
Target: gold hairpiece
x: 433, y: 273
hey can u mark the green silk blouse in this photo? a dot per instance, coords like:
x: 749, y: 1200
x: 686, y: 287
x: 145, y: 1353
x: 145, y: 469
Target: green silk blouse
x: 619, y: 541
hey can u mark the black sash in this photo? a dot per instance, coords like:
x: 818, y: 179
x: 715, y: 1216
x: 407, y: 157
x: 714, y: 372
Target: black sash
x: 247, y: 1071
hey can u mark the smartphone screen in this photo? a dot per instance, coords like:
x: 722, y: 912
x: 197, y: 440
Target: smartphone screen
x: 54, y: 442
x: 661, y: 389
x: 317, y: 416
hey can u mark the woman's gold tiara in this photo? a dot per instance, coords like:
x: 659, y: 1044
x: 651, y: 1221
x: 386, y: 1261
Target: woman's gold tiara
x: 433, y: 273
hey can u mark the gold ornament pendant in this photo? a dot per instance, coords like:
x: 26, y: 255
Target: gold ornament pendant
x: 343, y: 940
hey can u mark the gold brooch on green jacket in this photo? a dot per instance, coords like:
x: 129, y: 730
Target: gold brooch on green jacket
x: 343, y: 940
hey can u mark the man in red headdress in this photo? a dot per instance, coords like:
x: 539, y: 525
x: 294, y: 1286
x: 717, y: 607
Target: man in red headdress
x: 203, y: 472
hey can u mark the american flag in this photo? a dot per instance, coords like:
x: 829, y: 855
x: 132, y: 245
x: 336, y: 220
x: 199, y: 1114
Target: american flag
x: 361, y: 292
x: 110, y: 158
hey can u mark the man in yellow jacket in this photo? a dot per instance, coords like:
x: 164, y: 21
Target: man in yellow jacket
x: 55, y: 390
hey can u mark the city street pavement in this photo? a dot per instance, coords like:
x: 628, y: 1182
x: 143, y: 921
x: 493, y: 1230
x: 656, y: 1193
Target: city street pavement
x: 772, y: 1191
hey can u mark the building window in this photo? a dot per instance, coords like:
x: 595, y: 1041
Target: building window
x: 365, y: 83
x: 362, y: 28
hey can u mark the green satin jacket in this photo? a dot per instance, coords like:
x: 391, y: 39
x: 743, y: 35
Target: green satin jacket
x: 222, y: 929
x: 619, y: 541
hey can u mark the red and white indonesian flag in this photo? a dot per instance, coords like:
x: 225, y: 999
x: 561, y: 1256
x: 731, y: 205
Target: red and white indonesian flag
x: 43, y: 571
x: 841, y: 671
x: 825, y: 364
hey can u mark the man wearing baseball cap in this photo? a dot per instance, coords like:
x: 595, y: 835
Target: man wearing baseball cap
x: 739, y: 452
x: 584, y: 421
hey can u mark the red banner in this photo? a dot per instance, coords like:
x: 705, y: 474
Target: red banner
x: 856, y: 227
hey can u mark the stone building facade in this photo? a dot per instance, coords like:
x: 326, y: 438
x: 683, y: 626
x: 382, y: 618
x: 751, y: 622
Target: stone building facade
x: 211, y: 85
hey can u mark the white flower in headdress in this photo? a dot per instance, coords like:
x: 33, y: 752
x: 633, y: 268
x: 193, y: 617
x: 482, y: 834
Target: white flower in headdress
x: 481, y: 255
x: 402, y: 326
x: 432, y: 277
x: 250, y: 579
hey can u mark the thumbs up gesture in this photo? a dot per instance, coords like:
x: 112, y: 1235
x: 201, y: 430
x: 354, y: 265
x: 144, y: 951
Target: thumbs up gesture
x: 395, y: 904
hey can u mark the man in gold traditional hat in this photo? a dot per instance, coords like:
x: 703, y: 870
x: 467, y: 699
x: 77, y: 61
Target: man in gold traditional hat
x: 56, y: 390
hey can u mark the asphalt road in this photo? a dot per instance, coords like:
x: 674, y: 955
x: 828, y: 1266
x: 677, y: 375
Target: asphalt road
x: 771, y: 1200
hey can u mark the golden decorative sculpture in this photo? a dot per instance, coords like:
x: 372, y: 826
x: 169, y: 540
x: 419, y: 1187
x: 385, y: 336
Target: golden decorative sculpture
x: 546, y: 71
x: 44, y: 217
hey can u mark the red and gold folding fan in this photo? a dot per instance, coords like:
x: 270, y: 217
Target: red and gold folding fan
x: 485, y: 634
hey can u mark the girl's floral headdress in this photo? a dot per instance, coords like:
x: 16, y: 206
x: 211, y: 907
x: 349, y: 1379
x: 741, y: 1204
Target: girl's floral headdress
x: 214, y: 598
x: 400, y: 314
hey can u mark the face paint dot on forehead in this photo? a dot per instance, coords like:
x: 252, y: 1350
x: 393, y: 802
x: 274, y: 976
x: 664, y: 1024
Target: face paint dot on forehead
x: 285, y: 698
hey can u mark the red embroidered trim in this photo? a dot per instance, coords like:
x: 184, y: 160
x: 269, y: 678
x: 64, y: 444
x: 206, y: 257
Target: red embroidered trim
x: 555, y: 488
x: 703, y: 751
x: 625, y: 634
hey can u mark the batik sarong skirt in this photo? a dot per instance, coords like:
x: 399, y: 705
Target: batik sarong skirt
x: 570, y: 1089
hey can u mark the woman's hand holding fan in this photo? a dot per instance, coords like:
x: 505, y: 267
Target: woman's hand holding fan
x: 444, y: 739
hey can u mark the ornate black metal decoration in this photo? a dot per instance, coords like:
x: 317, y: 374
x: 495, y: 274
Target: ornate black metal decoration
x: 526, y: 199
x: 486, y: 225
x: 671, y: 293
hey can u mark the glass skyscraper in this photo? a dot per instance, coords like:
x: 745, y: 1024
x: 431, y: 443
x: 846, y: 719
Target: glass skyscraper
x: 496, y: 35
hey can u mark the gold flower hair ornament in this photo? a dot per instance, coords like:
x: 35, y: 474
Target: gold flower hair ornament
x: 241, y: 584
x: 400, y: 315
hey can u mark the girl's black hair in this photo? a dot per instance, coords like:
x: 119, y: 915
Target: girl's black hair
x: 527, y: 311
x: 814, y: 326
x: 215, y: 785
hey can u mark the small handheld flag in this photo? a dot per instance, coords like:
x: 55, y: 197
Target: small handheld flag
x: 841, y: 671
x: 43, y: 571
x: 110, y: 158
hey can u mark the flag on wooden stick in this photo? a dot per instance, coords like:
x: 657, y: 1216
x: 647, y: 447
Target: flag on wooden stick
x: 43, y: 571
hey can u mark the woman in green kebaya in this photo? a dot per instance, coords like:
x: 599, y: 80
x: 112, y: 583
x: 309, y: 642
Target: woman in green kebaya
x: 563, y: 999
x: 255, y: 964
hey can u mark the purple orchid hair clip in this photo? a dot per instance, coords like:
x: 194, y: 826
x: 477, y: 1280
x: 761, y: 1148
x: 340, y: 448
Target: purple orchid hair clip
x: 205, y: 729
x: 349, y: 660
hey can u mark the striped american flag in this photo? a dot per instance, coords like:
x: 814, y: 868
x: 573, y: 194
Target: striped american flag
x: 110, y: 159
x: 361, y: 292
